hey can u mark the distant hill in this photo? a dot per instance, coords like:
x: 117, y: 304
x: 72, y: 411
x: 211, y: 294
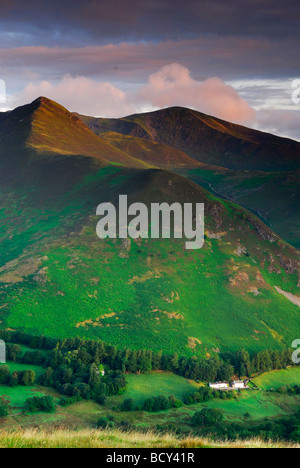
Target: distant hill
x: 207, y: 139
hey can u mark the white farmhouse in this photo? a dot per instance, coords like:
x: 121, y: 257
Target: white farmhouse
x: 219, y: 385
x: 238, y: 384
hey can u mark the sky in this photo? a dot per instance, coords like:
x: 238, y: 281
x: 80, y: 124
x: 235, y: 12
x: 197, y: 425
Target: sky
x: 234, y: 59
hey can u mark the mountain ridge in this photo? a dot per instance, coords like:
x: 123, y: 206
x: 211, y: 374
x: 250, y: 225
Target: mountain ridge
x: 45, y: 126
x: 207, y: 139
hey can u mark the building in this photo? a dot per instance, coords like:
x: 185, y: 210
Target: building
x: 219, y: 385
x: 238, y: 384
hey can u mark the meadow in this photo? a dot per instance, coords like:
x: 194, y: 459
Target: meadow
x: 142, y: 386
x: 277, y: 379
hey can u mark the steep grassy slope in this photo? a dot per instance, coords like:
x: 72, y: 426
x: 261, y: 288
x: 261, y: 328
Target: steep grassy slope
x: 207, y: 139
x: 273, y: 196
x: 151, y: 152
x: 59, y: 279
x: 46, y: 127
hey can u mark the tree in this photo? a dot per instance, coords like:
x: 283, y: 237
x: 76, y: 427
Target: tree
x: 14, y: 379
x: 207, y: 417
x: 94, y: 377
x: 225, y: 372
x: 295, y: 436
x: 4, y: 374
x: 28, y: 378
x: 47, y: 379
x: 245, y: 367
x: 13, y: 351
x: 103, y: 423
x: 148, y: 405
x: 45, y: 404
x: 128, y: 405
x: 3, y: 408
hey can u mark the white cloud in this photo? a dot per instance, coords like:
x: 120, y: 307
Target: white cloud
x: 285, y: 123
x: 173, y: 85
x: 82, y: 95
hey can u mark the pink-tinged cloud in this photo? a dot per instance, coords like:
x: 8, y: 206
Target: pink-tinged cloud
x: 173, y: 85
x: 82, y: 95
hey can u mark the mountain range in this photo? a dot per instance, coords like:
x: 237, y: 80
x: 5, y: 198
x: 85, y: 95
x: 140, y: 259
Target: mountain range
x: 241, y: 290
x: 257, y: 170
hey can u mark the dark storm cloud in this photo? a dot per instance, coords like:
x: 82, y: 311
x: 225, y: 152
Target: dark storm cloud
x: 117, y: 20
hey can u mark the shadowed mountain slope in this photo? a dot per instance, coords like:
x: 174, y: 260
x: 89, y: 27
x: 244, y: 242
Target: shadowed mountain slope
x: 207, y: 139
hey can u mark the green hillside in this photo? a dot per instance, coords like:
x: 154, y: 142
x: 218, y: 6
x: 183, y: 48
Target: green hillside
x: 59, y: 279
x: 273, y: 196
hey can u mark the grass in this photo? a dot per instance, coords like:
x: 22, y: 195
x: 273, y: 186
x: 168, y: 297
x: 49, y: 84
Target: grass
x: 79, y: 295
x: 61, y: 438
x: 18, y: 367
x: 152, y: 384
x: 277, y: 379
x: 18, y: 395
x: 259, y: 405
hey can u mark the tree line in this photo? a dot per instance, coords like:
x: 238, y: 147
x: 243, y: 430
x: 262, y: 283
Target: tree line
x: 76, y: 355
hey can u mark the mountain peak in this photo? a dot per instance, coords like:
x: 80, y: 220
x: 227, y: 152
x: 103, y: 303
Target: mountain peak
x: 44, y: 126
x: 44, y: 102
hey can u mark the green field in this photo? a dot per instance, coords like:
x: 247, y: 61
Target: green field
x: 277, y: 379
x: 18, y: 395
x: 261, y: 405
x: 15, y: 366
x: 152, y: 384
x: 258, y: 405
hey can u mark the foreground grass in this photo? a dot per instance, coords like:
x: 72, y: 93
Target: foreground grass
x: 35, y: 438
